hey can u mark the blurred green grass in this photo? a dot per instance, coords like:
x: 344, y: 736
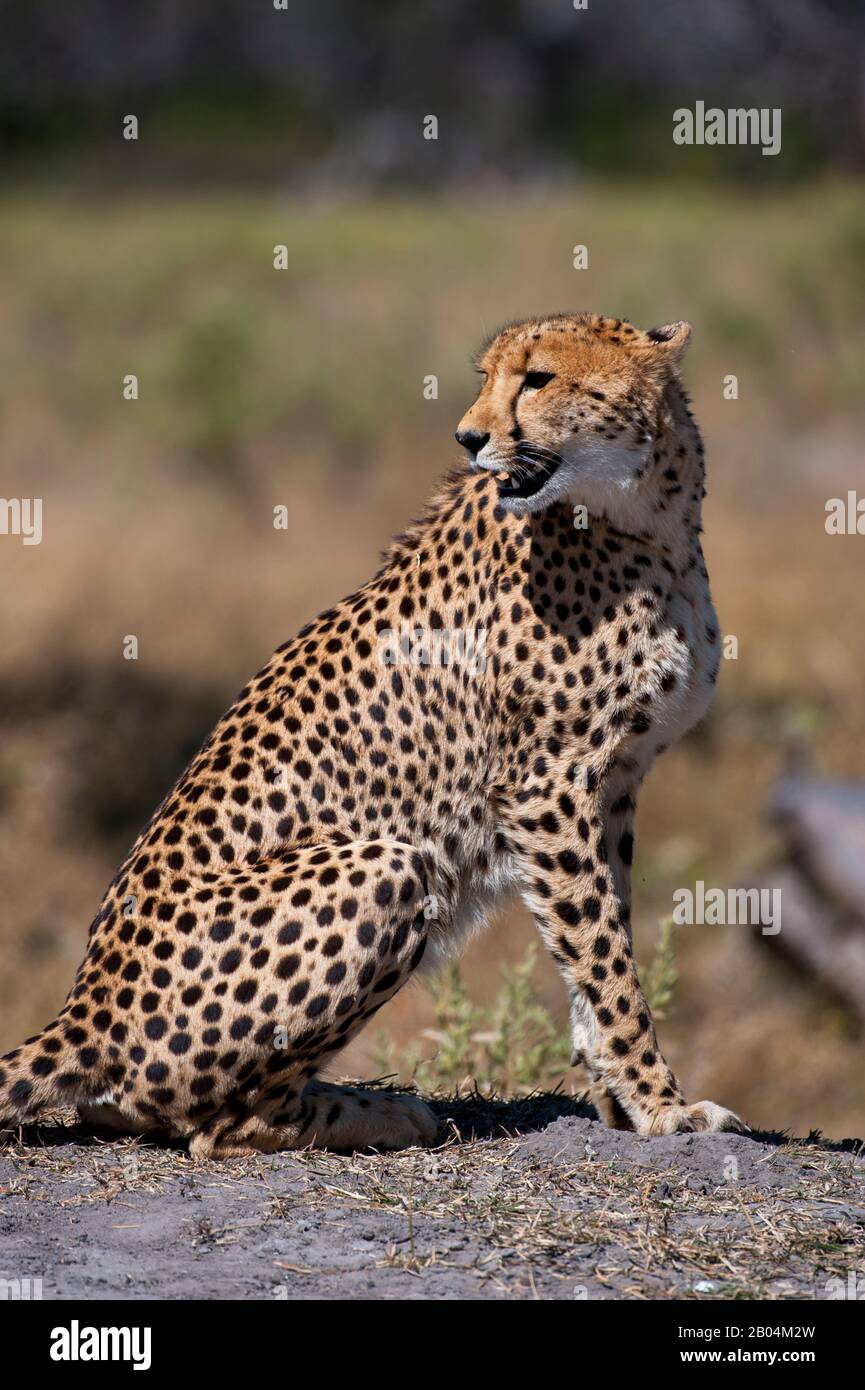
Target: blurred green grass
x: 181, y: 290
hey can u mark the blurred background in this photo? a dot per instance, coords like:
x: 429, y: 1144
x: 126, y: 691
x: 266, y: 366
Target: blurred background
x: 304, y: 387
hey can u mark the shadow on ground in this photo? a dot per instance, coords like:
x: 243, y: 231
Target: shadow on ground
x: 465, y: 1118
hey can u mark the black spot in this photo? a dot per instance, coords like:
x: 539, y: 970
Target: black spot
x: 568, y: 912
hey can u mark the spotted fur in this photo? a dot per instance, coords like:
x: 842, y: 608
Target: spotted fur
x: 351, y: 815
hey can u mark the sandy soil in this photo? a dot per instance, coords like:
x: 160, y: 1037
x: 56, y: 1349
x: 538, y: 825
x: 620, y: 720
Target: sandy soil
x: 526, y: 1200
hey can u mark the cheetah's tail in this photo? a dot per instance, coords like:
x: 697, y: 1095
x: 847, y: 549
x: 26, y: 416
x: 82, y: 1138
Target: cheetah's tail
x: 48, y: 1069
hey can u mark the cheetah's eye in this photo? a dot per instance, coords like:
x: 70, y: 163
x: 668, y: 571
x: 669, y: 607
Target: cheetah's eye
x: 535, y: 380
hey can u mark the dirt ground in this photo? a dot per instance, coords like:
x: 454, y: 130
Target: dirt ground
x: 530, y: 1199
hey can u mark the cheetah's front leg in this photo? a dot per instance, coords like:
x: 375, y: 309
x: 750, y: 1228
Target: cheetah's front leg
x: 621, y: 786
x: 571, y: 890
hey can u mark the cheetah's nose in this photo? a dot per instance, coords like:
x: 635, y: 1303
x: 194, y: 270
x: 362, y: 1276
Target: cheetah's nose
x: 471, y: 440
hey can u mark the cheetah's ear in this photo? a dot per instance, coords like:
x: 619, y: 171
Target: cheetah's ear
x: 668, y: 342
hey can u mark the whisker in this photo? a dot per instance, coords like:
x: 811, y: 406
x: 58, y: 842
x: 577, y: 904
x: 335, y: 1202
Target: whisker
x: 540, y: 452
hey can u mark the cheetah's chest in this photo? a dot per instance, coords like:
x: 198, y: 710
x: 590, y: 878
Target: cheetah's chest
x: 688, y: 651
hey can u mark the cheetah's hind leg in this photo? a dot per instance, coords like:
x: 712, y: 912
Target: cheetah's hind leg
x: 323, y: 1116
x: 107, y: 1115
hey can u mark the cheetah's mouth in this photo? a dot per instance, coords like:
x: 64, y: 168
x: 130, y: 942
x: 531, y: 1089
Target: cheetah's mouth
x: 529, y: 474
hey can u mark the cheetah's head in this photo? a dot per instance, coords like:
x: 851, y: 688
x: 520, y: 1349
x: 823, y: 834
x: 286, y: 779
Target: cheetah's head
x: 569, y: 408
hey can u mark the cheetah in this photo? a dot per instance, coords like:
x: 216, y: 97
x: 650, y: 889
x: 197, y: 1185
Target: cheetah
x: 366, y: 800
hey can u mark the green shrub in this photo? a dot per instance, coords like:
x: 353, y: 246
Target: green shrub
x: 512, y: 1046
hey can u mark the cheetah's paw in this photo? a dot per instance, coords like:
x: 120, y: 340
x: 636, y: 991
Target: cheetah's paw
x: 400, y: 1121
x: 702, y: 1116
